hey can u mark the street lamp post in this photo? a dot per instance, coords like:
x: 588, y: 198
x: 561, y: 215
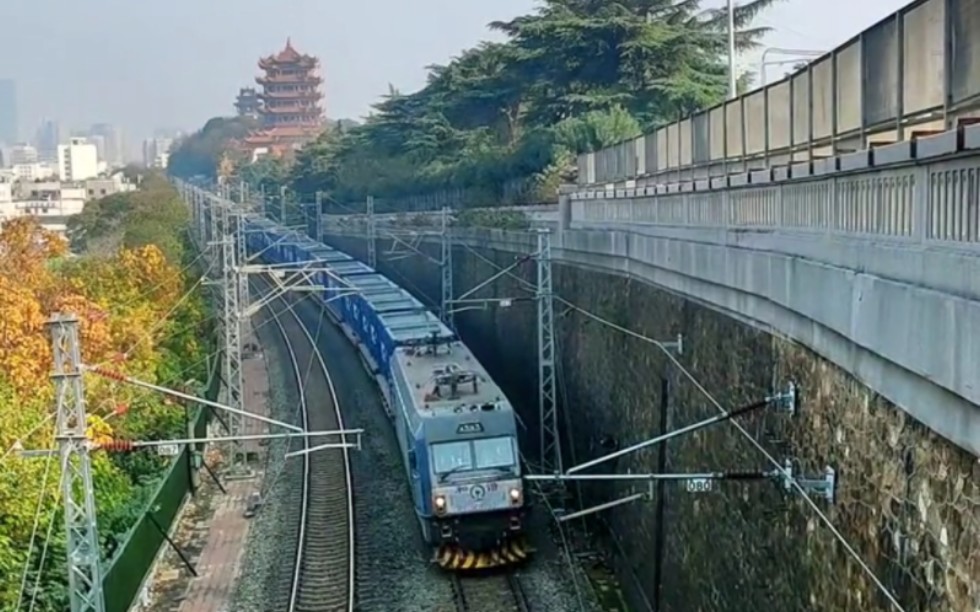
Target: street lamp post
x: 800, y: 53
x: 731, y: 50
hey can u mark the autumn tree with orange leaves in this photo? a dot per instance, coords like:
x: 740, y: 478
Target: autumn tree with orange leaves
x: 137, y: 314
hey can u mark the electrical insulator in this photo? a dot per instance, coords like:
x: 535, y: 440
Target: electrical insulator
x: 117, y: 446
x: 109, y: 374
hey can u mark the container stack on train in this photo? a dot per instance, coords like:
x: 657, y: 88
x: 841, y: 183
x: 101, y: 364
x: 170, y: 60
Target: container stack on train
x: 455, y: 428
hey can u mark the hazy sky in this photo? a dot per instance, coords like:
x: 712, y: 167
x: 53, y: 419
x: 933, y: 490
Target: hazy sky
x: 143, y: 64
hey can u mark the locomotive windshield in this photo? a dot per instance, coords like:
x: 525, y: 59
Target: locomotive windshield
x: 480, y: 454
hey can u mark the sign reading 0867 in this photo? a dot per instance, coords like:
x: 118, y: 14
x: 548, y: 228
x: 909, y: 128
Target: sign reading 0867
x: 469, y: 428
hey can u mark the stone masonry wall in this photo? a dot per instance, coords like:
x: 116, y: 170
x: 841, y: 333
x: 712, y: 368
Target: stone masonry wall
x: 908, y: 501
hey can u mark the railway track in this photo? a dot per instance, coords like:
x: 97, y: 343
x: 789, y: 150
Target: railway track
x: 322, y: 577
x: 492, y: 593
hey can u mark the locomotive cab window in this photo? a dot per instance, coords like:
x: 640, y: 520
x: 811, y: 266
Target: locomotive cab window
x: 480, y: 454
x: 494, y: 452
x: 451, y: 456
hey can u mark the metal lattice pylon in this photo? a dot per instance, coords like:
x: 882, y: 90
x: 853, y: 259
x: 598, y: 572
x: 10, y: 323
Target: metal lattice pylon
x: 84, y: 568
x: 318, y: 220
x: 372, y: 228
x: 547, y: 402
x: 232, y: 327
x: 446, y: 267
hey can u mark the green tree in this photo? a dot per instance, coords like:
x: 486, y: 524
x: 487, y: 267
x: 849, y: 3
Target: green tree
x: 200, y: 153
x: 573, y: 76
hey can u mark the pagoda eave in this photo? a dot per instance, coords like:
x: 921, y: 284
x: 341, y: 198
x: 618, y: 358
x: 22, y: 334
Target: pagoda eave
x: 292, y: 95
x: 291, y: 80
x: 296, y: 110
x: 303, y: 62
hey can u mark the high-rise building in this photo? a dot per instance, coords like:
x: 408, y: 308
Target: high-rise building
x: 113, y: 152
x: 100, y: 146
x: 8, y: 112
x: 78, y: 160
x: 291, y: 111
x: 23, y: 153
x: 47, y: 139
x: 156, y: 152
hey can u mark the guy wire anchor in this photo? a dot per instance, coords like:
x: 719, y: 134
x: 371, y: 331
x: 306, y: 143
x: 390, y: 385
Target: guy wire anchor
x: 675, y: 345
x: 787, y: 400
x: 825, y: 487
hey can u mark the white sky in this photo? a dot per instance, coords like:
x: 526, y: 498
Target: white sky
x: 146, y: 64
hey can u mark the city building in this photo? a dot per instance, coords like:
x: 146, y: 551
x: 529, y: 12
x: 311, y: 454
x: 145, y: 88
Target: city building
x: 107, y: 186
x: 113, y: 146
x: 247, y: 103
x: 6, y: 190
x: 51, y: 202
x: 78, y: 160
x: 22, y: 153
x: 9, y: 133
x: 290, y: 112
x: 156, y: 152
x: 36, y: 171
x: 47, y: 139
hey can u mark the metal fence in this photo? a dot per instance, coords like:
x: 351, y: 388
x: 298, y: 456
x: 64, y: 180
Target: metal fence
x: 916, y: 70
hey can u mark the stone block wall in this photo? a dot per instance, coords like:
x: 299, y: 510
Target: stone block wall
x: 908, y: 501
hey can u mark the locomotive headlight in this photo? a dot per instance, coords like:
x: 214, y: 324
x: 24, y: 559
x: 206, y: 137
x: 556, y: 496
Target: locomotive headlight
x: 515, y: 495
x: 439, y: 501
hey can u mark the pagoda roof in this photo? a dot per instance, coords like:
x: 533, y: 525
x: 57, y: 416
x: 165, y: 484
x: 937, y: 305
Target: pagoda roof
x: 282, y: 78
x: 292, y: 110
x: 283, y: 134
x: 285, y: 95
x: 288, y: 55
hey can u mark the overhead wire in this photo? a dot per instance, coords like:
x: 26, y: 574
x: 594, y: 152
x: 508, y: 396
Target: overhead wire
x: 741, y: 429
x: 44, y: 550
x: 797, y: 487
x: 37, y: 520
x: 163, y: 318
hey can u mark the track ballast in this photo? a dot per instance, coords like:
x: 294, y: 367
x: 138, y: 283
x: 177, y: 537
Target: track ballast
x: 322, y: 572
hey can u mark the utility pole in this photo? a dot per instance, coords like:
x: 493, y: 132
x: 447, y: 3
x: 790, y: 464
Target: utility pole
x: 732, y: 88
x: 84, y: 566
x: 282, y: 205
x: 446, y: 267
x: 214, y: 230
x: 547, y: 396
x: 318, y: 221
x: 85, y: 588
x: 232, y: 331
x: 372, y: 234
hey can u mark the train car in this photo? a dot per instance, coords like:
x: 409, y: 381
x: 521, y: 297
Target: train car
x: 458, y: 434
x: 456, y: 431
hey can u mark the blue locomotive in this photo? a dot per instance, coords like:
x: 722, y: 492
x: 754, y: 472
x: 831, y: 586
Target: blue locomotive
x: 456, y: 430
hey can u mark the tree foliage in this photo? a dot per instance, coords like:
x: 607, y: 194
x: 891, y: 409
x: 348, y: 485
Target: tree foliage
x: 576, y: 75
x: 199, y: 154
x: 135, y: 317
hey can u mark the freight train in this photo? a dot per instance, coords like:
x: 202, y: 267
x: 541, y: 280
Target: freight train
x: 456, y: 430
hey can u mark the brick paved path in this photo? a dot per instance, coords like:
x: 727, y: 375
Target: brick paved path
x: 213, y: 529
